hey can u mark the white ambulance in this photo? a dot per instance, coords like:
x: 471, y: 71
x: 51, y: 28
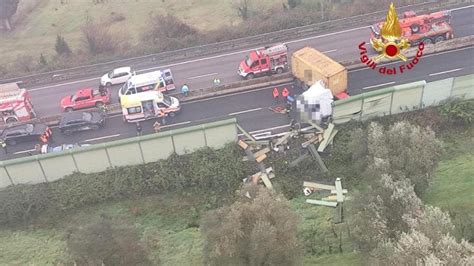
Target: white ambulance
x: 157, y: 80
x: 148, y: 105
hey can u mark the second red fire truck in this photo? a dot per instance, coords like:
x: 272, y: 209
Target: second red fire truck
x: 264, y: 61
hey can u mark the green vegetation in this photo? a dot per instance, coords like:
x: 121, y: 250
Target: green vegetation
x: 165, y: 218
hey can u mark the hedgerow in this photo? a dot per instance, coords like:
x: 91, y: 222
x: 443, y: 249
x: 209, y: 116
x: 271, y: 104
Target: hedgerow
x: 205, y: 171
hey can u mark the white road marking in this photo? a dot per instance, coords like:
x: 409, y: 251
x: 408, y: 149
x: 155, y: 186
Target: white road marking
x: 177, y: 124
x: 19, y: 152
x: 330, y: 51
x: 202, y: 76
x: 378, y: 85
x: 222, y: 55
x: 424, y: 56
x: 246, y: 111
x: 444, y: 72
x: 104, y: 137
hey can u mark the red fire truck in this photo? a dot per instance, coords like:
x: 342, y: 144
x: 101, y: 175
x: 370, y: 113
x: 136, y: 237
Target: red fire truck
x: 266, y: 60
x: 15, y: 104
x: 429, y: 28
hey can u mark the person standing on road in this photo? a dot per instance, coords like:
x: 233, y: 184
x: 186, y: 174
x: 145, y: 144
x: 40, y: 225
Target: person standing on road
x: 285, y: 93
x: 185, y: 90
x: 3, y: 145
x: 276, y: 94
x: 157, y: 126
x: 139, y: 128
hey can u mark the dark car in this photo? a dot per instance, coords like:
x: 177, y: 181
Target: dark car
x: 25, y: 133
x: 81, y: 121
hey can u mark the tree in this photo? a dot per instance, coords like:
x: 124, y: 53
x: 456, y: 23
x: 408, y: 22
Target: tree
x: 61, y: 46
x: 293, y: 3
x: 98, y: 38
x: 168, y: 32
x: 7, y: 9
x: 409, y: 151
x: 243, y: 8
x: 101, y: 242
x: 384, y: 210
x: 42, y: 60
x: 260, y: 231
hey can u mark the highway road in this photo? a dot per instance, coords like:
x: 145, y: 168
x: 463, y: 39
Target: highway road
x: 251, y: 108
x: 199, y: 73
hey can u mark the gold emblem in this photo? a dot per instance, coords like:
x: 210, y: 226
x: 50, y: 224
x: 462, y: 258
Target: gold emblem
x: 390, y: 42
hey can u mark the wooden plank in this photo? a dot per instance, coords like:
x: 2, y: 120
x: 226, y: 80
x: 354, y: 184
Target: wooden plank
x: 260, y: 152
x: 261, y: 143
x: 283, y: 139
x: 318, y: 186
x: 327, y: 133
x: 245, y: 158
x: 323, y: 203
x: 339, y: 195
x: 316, y: 156
x: 255, y: 178
x: 298, y: 160
x: 344, y: 191
x: 242, y: 144
x: 330, y: 198
x: 315, y: 126
x: 266, y: 181
x: 333, y: 134
x: 248, y: 135
x: 311, y: 140
x: 261, y: 158
x: 338, y: 215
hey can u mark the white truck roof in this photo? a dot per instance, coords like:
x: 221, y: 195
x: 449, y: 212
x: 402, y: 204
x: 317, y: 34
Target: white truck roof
x: 144, y: 79
x: 10, y: 90
x: 275, y: 49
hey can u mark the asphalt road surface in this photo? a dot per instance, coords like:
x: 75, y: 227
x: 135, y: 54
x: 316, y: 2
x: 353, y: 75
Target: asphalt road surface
x: 199, y: 73
x: 251, y: 108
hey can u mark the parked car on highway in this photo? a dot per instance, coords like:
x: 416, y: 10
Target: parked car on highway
x: 116, y: 76
x: 25, y: 133
x: 85, y: 98
x: 48, y: 149
x: 81, y: 121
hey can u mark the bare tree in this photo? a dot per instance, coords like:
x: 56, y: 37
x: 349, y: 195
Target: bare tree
x: 7, y: 9
x: 243, y: 8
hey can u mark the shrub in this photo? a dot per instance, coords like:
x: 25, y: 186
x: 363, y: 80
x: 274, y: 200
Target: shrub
x: 213, y: 172
x: 61, y: 46
x: 459, y: 111
x: 99, y: 39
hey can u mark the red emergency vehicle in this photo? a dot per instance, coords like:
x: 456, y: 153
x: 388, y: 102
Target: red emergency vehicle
x: 429, y: 28
x: 264, y: 61
x: 15, y: 104
x: 85, y: 98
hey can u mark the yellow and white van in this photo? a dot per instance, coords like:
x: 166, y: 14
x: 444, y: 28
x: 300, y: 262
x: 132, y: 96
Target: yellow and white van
x: 148, y: 105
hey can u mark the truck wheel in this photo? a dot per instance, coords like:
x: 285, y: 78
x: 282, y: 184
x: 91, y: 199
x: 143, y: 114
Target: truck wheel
x: 172, y: 114
x: 11, y: 120
x: 415, y: 28
x: 427, y: 41
x: 108, y: 84
x: 439, y: 39
x: 99, y: 104
x: 69, y: 109
x: 250, y: 76
x: 279, y: 70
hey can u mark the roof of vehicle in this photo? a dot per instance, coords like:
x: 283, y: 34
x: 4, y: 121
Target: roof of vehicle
x: 145, y: 79
x: 84, y: 92
x: 135, y: 99
x: 122, y: 69
x: 30, y: 128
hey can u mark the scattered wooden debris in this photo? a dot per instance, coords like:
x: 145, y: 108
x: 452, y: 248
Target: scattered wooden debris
x: 329, y: 200
x: 327, y: 133
x: 321, y: 202
x: 314, y: 139
x: 261, y: 152
x: 318, y: 186
x: 266, y: 181
x: 318, y: 159
x: 299, y: 160
x: 248, y: 135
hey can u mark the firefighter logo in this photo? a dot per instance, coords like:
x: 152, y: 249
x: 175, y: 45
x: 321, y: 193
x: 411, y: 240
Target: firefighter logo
x: 390, y: 43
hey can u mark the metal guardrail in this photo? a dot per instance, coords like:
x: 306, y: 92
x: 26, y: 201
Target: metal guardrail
x: 215, y: 48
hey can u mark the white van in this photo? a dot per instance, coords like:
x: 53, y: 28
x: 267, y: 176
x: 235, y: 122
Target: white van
x: 158, y: 80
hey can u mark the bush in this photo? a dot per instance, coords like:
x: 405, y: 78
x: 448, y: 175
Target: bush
x: 212, y: 172
x: 61, y: 46
x: 99, y: 39
x: 459, y: 111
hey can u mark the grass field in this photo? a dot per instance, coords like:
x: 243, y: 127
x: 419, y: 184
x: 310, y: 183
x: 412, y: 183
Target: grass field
x: 39, y: 21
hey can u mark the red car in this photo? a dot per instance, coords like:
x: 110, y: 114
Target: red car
x: 85, y: 98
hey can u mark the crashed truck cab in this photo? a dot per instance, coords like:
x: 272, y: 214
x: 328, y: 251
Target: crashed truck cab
x: 315, y: 104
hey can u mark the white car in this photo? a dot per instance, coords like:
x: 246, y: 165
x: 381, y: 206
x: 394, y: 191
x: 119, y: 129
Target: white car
x: 116, y: 76
x: 47, y: 149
